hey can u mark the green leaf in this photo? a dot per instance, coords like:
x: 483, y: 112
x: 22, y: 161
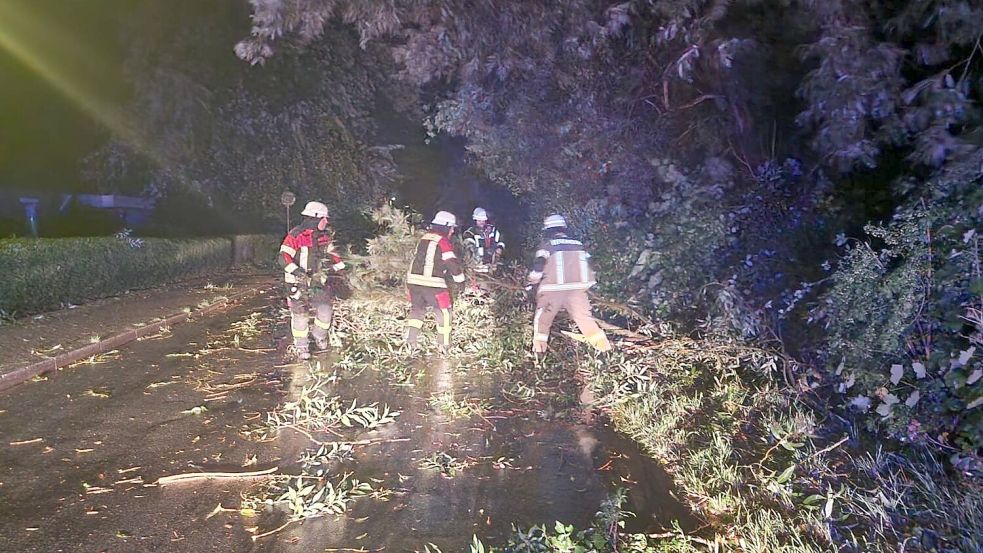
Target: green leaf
x: 828, y: 508
x: 813, y: 500
x: 786, y: 475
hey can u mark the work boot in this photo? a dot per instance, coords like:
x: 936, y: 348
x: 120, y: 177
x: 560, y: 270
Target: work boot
x: 303, y: 353
x: 321, y: 345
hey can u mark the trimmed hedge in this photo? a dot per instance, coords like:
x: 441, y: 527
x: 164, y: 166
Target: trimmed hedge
x: 256, y: 249
x: 42, y: 274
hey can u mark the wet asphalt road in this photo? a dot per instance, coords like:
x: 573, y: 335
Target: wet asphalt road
x: 80, y: 453
x: 100, y: 434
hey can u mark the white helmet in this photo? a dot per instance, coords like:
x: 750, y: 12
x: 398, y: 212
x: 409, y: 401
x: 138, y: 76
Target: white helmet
x: 444, y: 218
x: 554, y: 221
x: 315, y: 209
x: 479, y: 214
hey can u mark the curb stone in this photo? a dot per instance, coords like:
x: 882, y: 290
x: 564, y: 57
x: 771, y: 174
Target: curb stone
x: 18, y: 376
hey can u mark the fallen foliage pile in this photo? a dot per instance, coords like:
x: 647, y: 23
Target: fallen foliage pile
x: 758, y: 455
x: 767, y: 466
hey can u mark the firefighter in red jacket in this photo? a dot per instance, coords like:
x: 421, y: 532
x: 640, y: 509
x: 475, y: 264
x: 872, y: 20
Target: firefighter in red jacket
x: 560, y: 277
x: 426, y: 280
x: 485, y: 242
x: 307, y: 255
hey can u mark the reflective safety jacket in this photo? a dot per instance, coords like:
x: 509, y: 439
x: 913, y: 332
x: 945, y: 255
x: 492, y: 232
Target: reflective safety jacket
x: 484, y: 242
x: 433, y: 262
x: 299, y: 254
x: 562, y: 264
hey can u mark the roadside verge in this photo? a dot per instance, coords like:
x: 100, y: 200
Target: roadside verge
x: 73, y: 355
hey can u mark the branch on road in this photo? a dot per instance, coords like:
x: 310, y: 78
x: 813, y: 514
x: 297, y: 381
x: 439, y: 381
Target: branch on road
x: 194, y: 476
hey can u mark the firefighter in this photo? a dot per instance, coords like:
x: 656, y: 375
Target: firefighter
x: 308, y: 258
x: 560, y: 278
x: 484, y: 241
x: 426, y: 280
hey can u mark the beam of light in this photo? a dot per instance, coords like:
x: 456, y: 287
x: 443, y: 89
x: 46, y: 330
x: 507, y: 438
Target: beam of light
x: 72, y: 68
x: 55, y: 55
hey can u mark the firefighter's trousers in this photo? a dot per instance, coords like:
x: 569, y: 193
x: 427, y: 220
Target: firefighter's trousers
x: 439, y: 299
x: 577, y: 305
x: 300, y: 307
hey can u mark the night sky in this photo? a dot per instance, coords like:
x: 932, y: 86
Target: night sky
x: 44, y: 132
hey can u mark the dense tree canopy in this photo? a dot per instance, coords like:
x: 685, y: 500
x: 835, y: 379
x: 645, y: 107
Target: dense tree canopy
x: 738, y: 148
x: 799, y: 169
x: 212, y: 129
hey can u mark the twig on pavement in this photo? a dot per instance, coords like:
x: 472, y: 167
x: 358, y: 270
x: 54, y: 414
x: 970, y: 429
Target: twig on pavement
x: 193, y: 476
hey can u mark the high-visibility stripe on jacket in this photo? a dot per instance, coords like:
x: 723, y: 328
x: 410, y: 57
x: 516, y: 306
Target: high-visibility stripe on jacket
x: 299, y: 253
x: 562, y: 264
x: 485, y: 242
x: 433, y: 262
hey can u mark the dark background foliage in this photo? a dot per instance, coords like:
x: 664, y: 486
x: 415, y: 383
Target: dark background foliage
x: 801, y: 171
x: 798, y: 171
x: 211, y: 128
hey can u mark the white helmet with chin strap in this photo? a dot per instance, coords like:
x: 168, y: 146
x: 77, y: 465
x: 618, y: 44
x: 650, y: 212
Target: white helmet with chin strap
x: 554, y: 221
x: 315, y: 209
x: 444, y: 218
x: 479, y: 214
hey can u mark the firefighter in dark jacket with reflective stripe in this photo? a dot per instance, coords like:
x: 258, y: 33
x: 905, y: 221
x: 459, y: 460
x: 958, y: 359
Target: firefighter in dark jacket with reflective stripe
x: 561, y: 275
x: 484, y: 241
x: 307, y: 255
x: 426, y: 280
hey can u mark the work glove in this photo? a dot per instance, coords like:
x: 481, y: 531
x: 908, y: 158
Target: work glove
x: 303, y: 279
x: 340, y: 285
x: 531, y: 291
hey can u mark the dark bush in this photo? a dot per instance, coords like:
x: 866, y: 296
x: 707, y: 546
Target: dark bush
x: 41, y: 274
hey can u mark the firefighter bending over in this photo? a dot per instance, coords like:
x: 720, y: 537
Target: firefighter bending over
x: 308, y: 257
x: 560, y: 278
x: 484, y: 241
x: 426, y: 280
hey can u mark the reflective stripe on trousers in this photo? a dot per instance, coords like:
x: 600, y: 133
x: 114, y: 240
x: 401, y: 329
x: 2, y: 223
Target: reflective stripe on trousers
x: 577, y: 305
x: 422, y: 297
x: 300, y: 309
